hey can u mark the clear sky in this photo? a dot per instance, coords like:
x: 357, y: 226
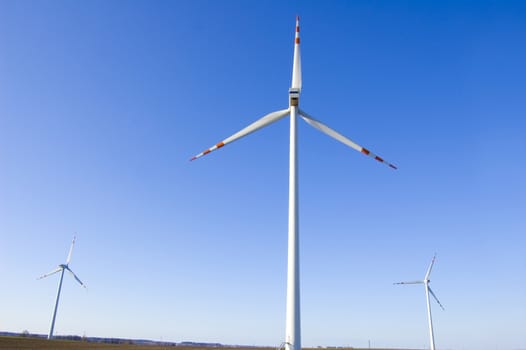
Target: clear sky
x: 102, y: 103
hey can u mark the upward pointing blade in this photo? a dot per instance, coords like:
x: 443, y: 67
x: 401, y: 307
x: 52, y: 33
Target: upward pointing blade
x: 58, y: 269
x: 70, y: 251
x: 430, y: 267
x: 75, y: 276
x: 434, y: 296
x: 336, y: 135
x: 296, y: 65
x: 258, y: 124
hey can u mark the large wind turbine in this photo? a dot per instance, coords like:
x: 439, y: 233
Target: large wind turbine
x: 293, y: 329
x: 61, y: 268
x: 425, y: 282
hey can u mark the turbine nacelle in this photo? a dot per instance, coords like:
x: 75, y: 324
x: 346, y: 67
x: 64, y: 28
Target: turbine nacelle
x: 294, y: 97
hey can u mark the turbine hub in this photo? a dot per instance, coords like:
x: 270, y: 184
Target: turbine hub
x: 294, y: 96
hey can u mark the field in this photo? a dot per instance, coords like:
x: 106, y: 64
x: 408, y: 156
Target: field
x: 23, y: 343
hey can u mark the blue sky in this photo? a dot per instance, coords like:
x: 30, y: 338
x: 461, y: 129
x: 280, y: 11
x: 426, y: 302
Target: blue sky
x: 102, y: 103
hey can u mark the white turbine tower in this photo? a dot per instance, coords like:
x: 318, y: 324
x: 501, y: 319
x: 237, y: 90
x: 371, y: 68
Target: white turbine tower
x: 61, y: 268
x: 425, y: 282
x: 293, y: 329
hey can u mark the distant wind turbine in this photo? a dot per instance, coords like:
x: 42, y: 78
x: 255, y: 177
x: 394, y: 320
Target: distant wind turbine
x: 425, y: 282
x: 61, y: 268
x: 293, y: 329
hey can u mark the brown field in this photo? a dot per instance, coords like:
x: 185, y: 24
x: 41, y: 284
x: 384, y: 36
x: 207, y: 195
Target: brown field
x: 23, y: 343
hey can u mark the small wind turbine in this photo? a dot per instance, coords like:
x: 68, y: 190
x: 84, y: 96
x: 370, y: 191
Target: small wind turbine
x: 293, y: 329
x: 425, y: 282
x: 61, y: 268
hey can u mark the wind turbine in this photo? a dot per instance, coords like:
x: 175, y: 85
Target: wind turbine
x: 61, y: 268
x: 292, y: 328
x: 425, y: 282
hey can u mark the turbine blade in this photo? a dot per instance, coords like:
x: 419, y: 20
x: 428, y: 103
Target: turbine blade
x: 296, y: 65
x: 70, y: 251
x: 75, y: 276
x: 258, y: 124
x: 58, y: 269
x: 336, y: 135
x: 410, y: 282
x: 430, y: 267
x: 434, y: 296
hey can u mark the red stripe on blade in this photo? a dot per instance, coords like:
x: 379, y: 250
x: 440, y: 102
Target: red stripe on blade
x: 207, y: 151
x: 378, y: 159
x: 365, y: 151
x: 220, y: 144
x: 297, y: 40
